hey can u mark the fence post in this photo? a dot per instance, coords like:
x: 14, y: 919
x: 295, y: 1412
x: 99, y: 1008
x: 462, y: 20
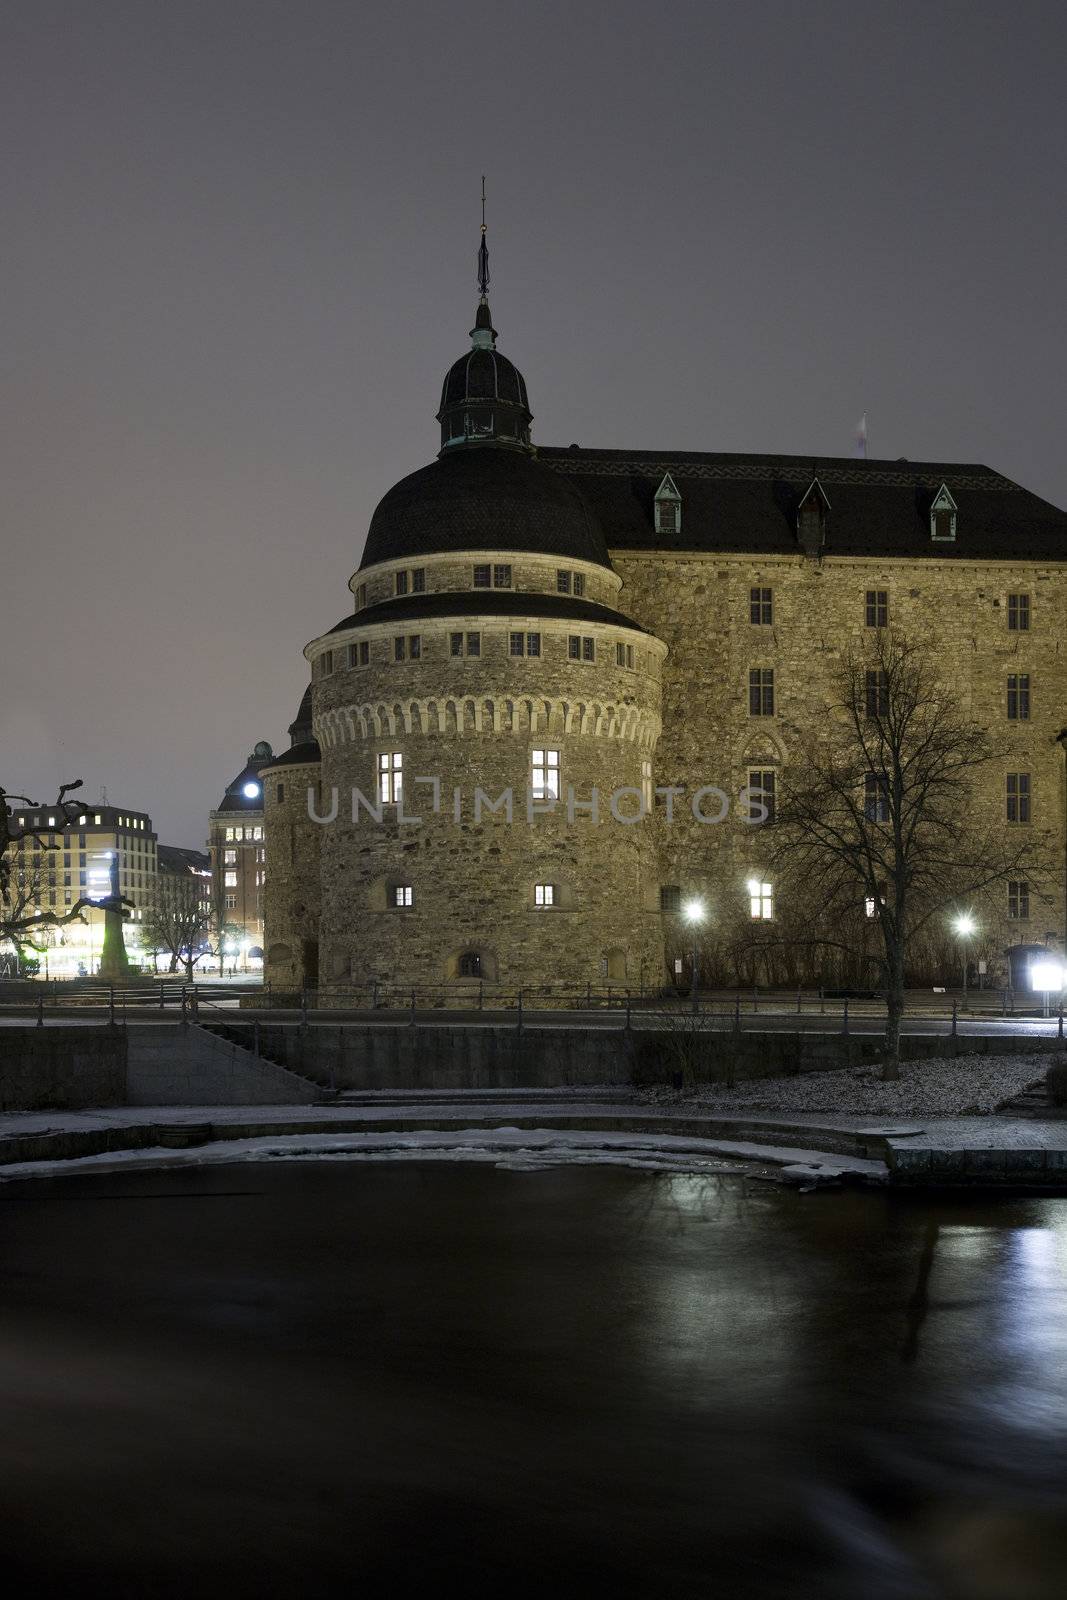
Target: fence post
x: 40, y: 1009
x: 953, y: 1019
x: 844, y: 1021
x: 303, y: 1006
x: 161, y: 988
x: 255, y: 1039
x: 374, y: 995
x: 798, y: 1002
x: 481, y: 994
x: 755, y: 1001
x: 413, y: 1005
x: 185, y: 997
x: 1059, y: 1030
x: 588, y: 995
x: 628, y: 1014
x: 520, y: 1009
x: 737, y: 1012
x: 111, y: 1005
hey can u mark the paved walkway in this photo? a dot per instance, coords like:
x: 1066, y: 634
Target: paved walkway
x: 997, y: 1151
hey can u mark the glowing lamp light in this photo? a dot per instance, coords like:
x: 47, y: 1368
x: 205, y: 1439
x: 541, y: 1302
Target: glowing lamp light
x: 965, y: 925
x: 1047, y: 976
x: 250, y: 790
x: 693, y: 911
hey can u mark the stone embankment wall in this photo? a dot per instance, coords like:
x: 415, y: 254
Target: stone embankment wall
x: 358, y: 1056
x: 191, y: 1067
x: 62, y: 1069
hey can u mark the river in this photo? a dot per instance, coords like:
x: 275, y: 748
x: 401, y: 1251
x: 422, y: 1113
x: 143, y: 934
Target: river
x: 325, y: 1377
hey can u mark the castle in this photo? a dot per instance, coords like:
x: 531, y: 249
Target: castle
x: 531, y: 625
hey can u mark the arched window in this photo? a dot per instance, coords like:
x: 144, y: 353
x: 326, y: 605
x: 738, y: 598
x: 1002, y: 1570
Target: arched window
x: 470, y: 964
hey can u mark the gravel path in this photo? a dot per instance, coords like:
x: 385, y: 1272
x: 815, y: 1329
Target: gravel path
x: 972, y: 1086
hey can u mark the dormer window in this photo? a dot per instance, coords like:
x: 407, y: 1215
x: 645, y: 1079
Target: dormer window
x: 943, y: 516
x: 668, y: 507
x: 813, y: 514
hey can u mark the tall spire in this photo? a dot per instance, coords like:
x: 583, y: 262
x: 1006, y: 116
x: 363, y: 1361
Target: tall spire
x: 483, y: 334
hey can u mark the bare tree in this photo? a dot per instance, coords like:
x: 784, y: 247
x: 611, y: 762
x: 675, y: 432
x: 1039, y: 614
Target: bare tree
x: 176, y: 921
x: 20, y: 882
x: 881, y: 819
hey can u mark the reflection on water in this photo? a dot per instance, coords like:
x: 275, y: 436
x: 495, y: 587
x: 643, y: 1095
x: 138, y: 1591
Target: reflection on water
x: 321, y: 1377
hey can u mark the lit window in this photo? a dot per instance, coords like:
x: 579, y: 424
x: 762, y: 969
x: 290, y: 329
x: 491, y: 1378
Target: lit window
x: 403, y: 896
x: 876, y: 609
x: 390, y: 776
x: 544, y: 774
x: 98, y: 818
x: 762, y: 784
x: 875, y: 797
x: 231, y: 902
x: 230, y: 880
x: 872, y: 902
x: 760, y: 900
x: 761, y: 692
x: 761, y: 607
x: 544, y: 894
x: 1018, y: 899
x: 229, y: 857
x: 482, y: 576
x: 1018, y: 797
x: 1019, y: 613
x: 1018, y: 697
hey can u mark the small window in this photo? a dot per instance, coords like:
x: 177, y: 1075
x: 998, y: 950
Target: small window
x: 760, y: 900
x: 364, y: 653
x: 455, y: 644
x: 588, y: 650
x: 877, y: 692
x: 876, y: 612
x: 1019, y: 613
x: 1018, y: 697
x: 470, y: 964
x: 229, y: 857
x: 875, y: 797
x: 872, y: 902
x: 544, y: 894
x: 524, y: 644
x: 231, y: 902
x: 280, y: 794
x: 415, y: 647
x: 399, y: 648
x: 761, y: 692
x: 579, y: 583
x: 624, y: 655
x: 230, y: 880
x: 762, y: 785
x: 1018, y: 899
x: 668, y: 507
x: 563, y: 582
x: 474, y: 644
x: 390, y: 776
x: 943, y: 516
x: 326, y: 663
x: 544, y: 774
x: 761, y: 607
x: 401, y: 583
x: 670, y: 897
x: 482, y: 576
x: 403, y: 896
x: 361, y: 596
x: 1018, y: 797
x: 353, y: 655
x: 418, y: 580
x: 574, y: 647
x: 501, y: 577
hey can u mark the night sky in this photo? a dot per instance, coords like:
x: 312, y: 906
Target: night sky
x: 239, y: 254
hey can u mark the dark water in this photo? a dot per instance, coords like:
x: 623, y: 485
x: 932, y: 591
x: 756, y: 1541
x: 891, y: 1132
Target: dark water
x: 332, y: 1378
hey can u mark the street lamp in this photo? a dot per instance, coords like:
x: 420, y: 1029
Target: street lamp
x: 965, y: 926
x: 693, y: 912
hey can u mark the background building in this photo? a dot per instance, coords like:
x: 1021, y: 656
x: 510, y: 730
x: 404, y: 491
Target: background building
x: 238, y: 861
x: 80, y: 865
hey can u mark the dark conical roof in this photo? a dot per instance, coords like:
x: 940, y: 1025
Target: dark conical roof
x: 484, y: 375
x: 484, y: 499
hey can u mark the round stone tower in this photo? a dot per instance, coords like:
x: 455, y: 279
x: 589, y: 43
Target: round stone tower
x: 487, y: 719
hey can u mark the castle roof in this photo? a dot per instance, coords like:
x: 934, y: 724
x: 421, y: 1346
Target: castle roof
x: 485, y: 497
x: 444, y: 603
x: 749, y: 503
x: 298, y: 755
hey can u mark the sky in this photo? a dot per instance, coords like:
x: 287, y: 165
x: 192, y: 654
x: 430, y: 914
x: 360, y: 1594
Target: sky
x: 239, y: 255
